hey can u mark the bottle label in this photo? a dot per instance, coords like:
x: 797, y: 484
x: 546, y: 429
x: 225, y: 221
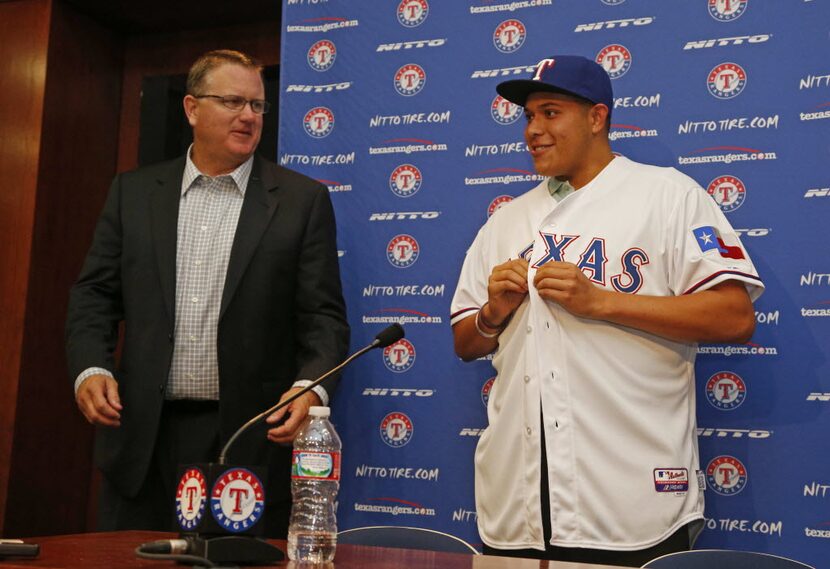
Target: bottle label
x: 315, y: 465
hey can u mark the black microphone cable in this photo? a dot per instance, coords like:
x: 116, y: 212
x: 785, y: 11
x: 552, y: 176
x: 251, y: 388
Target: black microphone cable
x: 172, y: 550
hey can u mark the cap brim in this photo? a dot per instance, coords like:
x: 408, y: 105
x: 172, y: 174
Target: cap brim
x: 518, y: 90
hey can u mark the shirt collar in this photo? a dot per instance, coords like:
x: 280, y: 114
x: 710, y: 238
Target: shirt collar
x: 240, y: 176
x: 559, y: 189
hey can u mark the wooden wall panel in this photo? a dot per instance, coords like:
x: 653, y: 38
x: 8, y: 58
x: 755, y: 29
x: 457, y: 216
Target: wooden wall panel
x: 24, y: 29
x: 53, y: 443
x: 169, y: 54
x: 69, y: 119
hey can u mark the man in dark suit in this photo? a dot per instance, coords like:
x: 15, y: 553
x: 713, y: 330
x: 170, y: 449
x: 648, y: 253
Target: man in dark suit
x: 223, y: 268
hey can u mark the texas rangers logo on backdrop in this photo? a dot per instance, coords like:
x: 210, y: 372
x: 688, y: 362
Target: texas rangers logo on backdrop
x: 728, y: 192
x: 613, y: 2
x: 405, y: 180
x: 615, y: 59
x: 191, y: 497
x: 726, y: 475
x: 497, y: 203
x: 321, y: 55
x: 400, y: 356
x: 237, y: 500
x: 503, y: 111
x: 318, y: 122
x: 402, y: 251
x: 412, y: 13
x: 485, y: 390
x: 727, y: 10
x: 726, y: 80
x: 725, y: 390
x: 708, y: 238
x: 410, y: 79
x: 509, y: 36
x: 396, y: 429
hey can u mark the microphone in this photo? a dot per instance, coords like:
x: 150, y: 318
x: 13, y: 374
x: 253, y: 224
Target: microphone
x: 384, y: 338
x: 388, y: 336
x: 213, y: 552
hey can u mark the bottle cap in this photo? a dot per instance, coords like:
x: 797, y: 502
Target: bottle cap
x: 319, y: 411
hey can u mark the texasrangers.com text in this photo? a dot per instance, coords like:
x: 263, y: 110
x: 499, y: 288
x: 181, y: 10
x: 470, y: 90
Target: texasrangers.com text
x: 394, y: 510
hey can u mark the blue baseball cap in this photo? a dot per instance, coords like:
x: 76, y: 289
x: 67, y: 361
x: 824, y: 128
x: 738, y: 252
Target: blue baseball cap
x: 569, y: 74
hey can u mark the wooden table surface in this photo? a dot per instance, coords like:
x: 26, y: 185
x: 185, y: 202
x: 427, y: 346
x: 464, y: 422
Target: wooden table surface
x: 116, y: 550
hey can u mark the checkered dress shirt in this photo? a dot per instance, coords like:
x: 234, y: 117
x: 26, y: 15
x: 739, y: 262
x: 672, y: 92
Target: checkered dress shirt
x: 208, y: 215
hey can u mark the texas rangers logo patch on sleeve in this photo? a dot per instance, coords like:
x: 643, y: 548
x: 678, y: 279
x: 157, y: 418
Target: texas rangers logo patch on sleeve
x: 709, y: 238
x: 671, y: 480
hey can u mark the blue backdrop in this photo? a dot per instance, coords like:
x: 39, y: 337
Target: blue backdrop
x: 392, y: 105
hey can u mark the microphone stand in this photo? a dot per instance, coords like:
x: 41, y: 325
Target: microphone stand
x: 224, y: 454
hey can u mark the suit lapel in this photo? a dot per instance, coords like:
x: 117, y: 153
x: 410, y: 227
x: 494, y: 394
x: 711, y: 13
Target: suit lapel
x: 258, y: 207
x: 164, y: 211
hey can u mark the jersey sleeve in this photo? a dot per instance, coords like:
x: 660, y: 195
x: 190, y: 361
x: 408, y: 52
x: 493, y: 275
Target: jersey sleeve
x: 706, y: 250
x: 471, y: 292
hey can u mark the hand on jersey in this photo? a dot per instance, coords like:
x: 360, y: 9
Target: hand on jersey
x: 506, y: 289
x: 297, y: 412
x: 98, y: 400
x: 566, y: 285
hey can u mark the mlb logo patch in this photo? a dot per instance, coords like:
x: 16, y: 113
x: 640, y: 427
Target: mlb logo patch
x: 708, y: 238
x: 671, y: 480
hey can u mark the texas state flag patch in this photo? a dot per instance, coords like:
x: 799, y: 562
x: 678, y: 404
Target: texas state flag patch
x: 708, y: 238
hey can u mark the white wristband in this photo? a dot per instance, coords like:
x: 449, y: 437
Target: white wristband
x: 481, y: 332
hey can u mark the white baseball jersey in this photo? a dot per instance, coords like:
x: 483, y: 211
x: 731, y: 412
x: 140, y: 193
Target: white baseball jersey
x: 618, y: 403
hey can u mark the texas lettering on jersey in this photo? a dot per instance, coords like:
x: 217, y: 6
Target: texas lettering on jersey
x: 592, y: 261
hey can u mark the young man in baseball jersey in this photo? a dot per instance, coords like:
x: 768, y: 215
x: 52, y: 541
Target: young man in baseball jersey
x: 593, y: 290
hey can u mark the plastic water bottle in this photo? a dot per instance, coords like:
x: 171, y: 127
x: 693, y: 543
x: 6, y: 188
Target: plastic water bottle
x: 315, y: 479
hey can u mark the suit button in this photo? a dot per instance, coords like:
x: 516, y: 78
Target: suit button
x: 161, y: 388
x: 170, y: 337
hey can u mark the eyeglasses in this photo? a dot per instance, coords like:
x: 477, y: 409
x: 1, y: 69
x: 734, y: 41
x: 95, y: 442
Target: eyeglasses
x: 237, y: 103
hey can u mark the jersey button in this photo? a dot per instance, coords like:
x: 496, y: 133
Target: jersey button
x: 527, y: 378
x: 529, y: 329
x: 528, y: 431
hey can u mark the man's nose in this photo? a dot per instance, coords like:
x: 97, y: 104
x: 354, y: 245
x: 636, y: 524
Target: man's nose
x: 247, y: 113
x: 533, y: 127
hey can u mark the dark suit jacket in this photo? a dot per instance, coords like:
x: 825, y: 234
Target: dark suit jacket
x: 282, y: 314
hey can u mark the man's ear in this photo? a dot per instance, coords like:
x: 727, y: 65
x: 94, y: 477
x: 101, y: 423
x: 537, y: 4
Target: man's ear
x: 191, y: 109
x: 599, y: 117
